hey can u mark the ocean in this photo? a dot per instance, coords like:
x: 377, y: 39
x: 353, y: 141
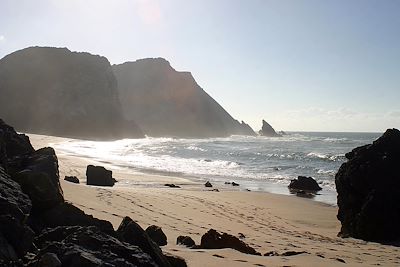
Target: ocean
x: 256, y: 163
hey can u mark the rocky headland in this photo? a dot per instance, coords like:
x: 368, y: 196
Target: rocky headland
x: 166, y: 102
x: 57, y: 92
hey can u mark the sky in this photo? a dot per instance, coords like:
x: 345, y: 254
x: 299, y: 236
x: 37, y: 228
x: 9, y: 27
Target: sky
x: 302, y: 65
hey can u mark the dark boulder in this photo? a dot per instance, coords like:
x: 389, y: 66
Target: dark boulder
x: 72, y: 179
x: 304, y: 183
x: 175, y: 261
x: 186, y: 241
x: 267, y: 130
x: 157, y: 235
x: 368, y: 187
x: 130, y: 232
x: 67, y: 214
x: 88, y: 246
x: 15, y: 237
x: 208, y: 184
x: 98, y: 175
x: 215, y: 240
x: 37, y: 173
x: 15, y: 144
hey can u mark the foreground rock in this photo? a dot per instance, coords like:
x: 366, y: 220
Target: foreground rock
x: 98, y: 175
x: 215, y: 240
x: 157, y: 235
x: 38, y: 228
x: 186, y: 241
x: 267, y: 130
x: 368, y: 188
x: 304, y: 183
x: 88, y: 246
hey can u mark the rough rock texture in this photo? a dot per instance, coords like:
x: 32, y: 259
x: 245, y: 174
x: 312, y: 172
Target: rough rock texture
x: 267, y: 130
x: 88, y: 246
x: 165, y: 102
x: 304, y: 183
x: 98, y: 175
x: 37, y: 228
x: 58, y: 92
x: 15, y: 236
x: 186, y: 241
x: 368, y: 187
x: 130, y: 232
x: 214, y: 240
x: 157, y: 235
x: 37, y: 173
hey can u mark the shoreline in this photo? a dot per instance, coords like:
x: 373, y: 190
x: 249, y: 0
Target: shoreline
x: 326, y: 196
x: 270, y: 223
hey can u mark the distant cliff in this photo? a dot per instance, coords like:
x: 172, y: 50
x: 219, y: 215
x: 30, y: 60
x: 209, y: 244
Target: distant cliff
x: 165, y: 102
x: 268, y: 131
x: 58, y: 92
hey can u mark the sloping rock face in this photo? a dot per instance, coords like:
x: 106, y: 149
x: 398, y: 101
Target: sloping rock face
x: 267, y: 130
x: 368, y: 187
x: 165, y: 102
x: 37, y: 228
x: 58, y: 92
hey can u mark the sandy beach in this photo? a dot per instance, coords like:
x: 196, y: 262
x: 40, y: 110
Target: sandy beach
x: 269, y: 222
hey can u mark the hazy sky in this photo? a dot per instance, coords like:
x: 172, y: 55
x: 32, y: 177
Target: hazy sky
x: 300, y: 65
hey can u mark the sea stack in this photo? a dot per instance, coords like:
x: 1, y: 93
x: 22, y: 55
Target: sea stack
x: 166, y: 102
x: 267, y: 130
x: 368, y: 187
x: 54, y: 91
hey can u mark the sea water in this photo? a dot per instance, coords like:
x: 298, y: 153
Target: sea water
x: 256, y: 163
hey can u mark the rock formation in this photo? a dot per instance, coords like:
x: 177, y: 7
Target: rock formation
x: 215, y: 240
x: 304, y: 183
x: 157, y: 235
x: 368, y: 187
x: 267, y: 130
x: 98, y: 175
x: 165, y: 102
x: 58, y: 92
x: 37, y: 228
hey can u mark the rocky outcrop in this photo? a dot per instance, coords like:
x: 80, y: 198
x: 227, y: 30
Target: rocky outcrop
x: 186, y: 241
x: 38, y: 228
x: 267, y: 130
x: 304, y: 183
x: 215, y: 240
x: 131, y: 233
x: 88, y: 246
x: 165, y: 102
x: 98, y: 175
x: 55, y: 91
x: 157, y: 235
x: 368, y: 187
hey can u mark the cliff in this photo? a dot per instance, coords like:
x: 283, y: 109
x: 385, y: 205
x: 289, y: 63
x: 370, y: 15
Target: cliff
x: 58, y: 92
x: 165, y: 102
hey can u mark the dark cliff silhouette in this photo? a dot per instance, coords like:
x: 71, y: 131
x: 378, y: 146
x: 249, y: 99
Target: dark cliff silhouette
x: 58, y: 92
x: 165, y: 102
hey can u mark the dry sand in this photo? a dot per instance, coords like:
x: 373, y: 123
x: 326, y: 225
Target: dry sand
x: 269, y: 222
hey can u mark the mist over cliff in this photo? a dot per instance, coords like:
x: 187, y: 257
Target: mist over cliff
x: 165, y: 102
x: 58, y: 92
